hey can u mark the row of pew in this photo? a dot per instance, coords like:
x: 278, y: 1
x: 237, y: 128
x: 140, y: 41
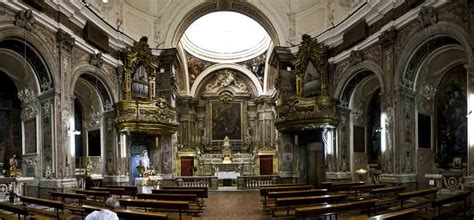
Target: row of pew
x: 333, y: 199
x: 165, y: 203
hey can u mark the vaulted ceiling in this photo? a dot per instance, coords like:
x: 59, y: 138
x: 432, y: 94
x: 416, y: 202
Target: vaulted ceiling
x: 159, y: 20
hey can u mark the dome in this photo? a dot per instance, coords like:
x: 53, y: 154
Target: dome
x: 225, y: 37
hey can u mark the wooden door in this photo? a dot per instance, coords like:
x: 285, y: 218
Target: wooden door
x: 187, y: 166
x: 266, y: 165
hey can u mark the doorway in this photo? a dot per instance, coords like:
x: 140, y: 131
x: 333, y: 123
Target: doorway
x: 266, y: 165
x: 187, y: 166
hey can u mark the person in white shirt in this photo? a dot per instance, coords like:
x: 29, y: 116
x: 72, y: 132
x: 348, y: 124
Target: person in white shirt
x: 111, y: 204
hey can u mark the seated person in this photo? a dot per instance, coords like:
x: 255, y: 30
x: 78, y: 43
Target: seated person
x: 111, y: 204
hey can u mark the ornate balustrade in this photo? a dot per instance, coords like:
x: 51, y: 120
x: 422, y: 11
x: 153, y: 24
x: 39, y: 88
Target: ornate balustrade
x: 448, y: 180
x: 254, y: 182
x: 197, y: 181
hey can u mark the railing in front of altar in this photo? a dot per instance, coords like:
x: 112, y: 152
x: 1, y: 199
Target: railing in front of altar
x: 210, y: 169
x: 197, y: 181
x: 254, y: 182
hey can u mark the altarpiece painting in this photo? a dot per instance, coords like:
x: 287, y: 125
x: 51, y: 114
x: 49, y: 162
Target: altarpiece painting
x: 226, y: 120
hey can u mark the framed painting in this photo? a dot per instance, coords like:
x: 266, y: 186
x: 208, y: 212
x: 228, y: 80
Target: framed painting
x: 359, y: 139
x: 29, y: 129
x: 226, y: 120
x: 457, y: 162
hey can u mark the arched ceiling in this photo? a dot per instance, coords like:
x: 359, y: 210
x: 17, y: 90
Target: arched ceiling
x: 160, y: 19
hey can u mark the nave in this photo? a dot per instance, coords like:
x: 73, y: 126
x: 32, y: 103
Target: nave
x: 197, y: 109
x: 343, y: 200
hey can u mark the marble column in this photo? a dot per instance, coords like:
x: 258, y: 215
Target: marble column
x: 470, y: 118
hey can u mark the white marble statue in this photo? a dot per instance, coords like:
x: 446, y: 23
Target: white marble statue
x: 145, y: 160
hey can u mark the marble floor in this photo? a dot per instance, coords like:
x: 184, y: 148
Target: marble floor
x: 233, y: 205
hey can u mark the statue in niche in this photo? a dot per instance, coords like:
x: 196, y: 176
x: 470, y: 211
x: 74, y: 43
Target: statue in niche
x: 299, y: 85
x: 146, y: 160
x: 226, y: 153
x: 248, y: 137
x: 140, y: 168
x: 13, y: 163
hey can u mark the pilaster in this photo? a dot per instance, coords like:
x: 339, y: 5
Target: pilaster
x: 470, y: 118
x: 65, y: 160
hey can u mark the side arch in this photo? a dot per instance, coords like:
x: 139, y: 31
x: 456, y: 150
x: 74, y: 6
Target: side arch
x: 353, y: 71
x: 449, y: 32
x: 95, y: 77
x: 37, y: 46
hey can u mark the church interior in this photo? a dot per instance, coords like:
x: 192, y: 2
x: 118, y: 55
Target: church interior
x: 237, y: 109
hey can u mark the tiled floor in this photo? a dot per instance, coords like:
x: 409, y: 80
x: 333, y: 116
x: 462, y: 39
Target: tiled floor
x: 233, y: 206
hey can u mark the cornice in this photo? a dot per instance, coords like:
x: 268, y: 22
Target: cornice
x: 374, y: 38
x: 54, y: 26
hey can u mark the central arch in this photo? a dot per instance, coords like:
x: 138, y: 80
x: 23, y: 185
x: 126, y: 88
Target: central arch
x: 255, y: 82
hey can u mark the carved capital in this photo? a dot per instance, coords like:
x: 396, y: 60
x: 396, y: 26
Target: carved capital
x: 25, y: 19
x: 388, y: 37
x: 427, y: 16
x: 65, y: 41
x: 356, y: 57
x: 96, y: 60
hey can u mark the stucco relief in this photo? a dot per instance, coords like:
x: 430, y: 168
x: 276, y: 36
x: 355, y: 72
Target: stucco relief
x: 28, y: 103
x: 226, y: 79
x: 25, y: 19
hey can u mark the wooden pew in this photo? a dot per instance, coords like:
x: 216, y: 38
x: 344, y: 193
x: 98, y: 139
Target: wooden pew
x: 337, y: 187
x: 386, y: 196
x: 398, y: 215
x: 295, y: 193
x: 387, y: 190
x: 303, y: 212
x: 56, y: 205
x: 93, y: 193
x: 450, y: 209
x: 367, y: 188
x: 177, y: 197
x: 306, y: 200
x: 200, y: 193
x: 205, y: 195
x: 403, y: 197
x: 16, y: 209
x: 265, y: 190
x: 162, y: 205
x: 127, y: 214
x: 283, y: 184
x: 192, y: 198
x: 73, y: 196
x: 129, y: 190
x: 113, y: 191
x: 65, y: 195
